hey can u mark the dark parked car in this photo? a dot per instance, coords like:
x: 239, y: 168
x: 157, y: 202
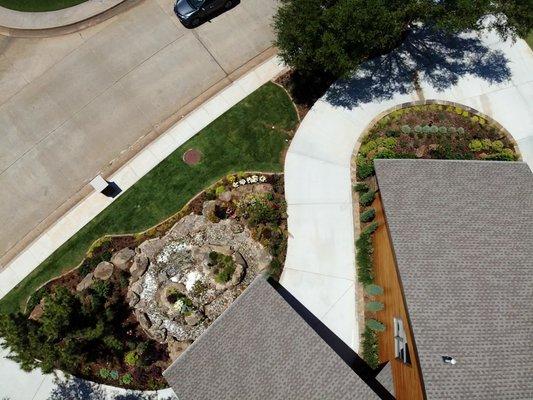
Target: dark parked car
x: 192, y: 12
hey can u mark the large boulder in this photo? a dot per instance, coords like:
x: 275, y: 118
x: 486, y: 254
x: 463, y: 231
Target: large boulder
x: 193, y: 318
x: 132, y: 298
x: 151, y: 247
x: 139, y: 266
x: 104, y: 271
x: 208, y: 210
x: 226, y: 197
x: 136, y: 287
x: 144, y: 321
x: 38, y: 311
x: 176, y: 348
x: 122, y: 258
x: 160, y: 335
x: 85, y: 283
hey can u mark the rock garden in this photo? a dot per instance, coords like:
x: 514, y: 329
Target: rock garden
x: 433, y: 131
x: 136, y: 302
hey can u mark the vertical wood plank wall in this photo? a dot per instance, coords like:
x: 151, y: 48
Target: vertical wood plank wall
x: 407, y: 379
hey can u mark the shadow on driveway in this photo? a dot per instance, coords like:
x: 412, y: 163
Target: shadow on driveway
x: 439, y: 58
x: 75, y: 388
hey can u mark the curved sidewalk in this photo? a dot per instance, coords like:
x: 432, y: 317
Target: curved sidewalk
x: 320, y: 265
x: 12, y: 21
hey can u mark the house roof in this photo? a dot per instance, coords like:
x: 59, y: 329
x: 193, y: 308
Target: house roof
x: 261, y: 348
x: 462, y: 234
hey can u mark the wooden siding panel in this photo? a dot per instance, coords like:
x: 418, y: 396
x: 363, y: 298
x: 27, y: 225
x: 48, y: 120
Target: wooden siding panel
x: 407, y: 377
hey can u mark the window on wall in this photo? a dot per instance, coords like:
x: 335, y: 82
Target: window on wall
x: 401, y: 349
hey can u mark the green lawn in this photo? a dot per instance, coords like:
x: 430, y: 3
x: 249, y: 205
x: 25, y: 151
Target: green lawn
x: 39, y: 5
x: 241, y: 139
x: 529, y: 39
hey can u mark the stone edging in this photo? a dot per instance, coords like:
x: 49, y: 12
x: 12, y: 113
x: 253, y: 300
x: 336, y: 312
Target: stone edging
x: 360, y: 303
x: 54, y: 23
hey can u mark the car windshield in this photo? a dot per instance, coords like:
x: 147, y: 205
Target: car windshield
x: 196, y: 3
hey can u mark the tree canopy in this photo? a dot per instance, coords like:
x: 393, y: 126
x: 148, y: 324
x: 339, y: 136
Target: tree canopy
x: 334, y: 36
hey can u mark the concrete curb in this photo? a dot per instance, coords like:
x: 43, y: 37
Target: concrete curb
x: 61, y: 22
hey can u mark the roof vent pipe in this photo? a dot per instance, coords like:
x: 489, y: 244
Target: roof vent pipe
x: 449, y: 360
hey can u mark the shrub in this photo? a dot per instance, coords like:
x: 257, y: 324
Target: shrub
x: 385, y: 153
x: 391, y: 133
x: 365, y: 199
x: 275, y: 267
x: 113, y: 375
x: 505, y: 155
x: 426, y: 129
x: 374, y: 290
x: 374, y: 306
x: 460, y: 131
x: 458, y: 110
x: 127, y: 379
x: 112, y: 343
x: 434, y: 129
x: 131, y: 358
x: 487, y: 144
x: 368, y: 215
x: 219, y: 190
x: 370, y: 229
x: 231, y: 178
x: 475, y: 145
x: 364, y: 259
x: 443, y: 130
x: 226, y: 267
x: 452, y: 129
x: 406, y: 129
x: 259, y: 210
x: 368, y: 147
x: 418, y: 129
x: 369, y: 348
x: 365, y: 168
x: 360, y: 187
x: 104, y: 373
x: 375, y: 325
x: 101, y: 288
x: 497, y: 145
x: 466, y: 114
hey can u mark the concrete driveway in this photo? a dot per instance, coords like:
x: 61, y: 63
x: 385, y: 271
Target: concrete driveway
x: 70, y: 105
x: 488, y: 74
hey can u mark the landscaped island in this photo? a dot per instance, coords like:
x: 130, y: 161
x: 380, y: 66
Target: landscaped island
x: 39, y: 5
x: 116, y: 308
x: 428, y: 131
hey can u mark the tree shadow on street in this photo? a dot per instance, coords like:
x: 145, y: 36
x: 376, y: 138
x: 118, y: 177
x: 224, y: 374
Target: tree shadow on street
x: 440, y: 59
x: 80, y: 389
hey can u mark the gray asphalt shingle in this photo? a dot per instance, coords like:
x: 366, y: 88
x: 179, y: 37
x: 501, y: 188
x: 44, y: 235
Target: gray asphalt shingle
x: 258, y: 349
x: 462, y: 232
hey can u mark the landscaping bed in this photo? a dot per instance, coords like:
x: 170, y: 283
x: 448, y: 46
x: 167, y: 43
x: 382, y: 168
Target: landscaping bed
x: 252, y: 135
x: 429, y: 131
x: 137, y: 301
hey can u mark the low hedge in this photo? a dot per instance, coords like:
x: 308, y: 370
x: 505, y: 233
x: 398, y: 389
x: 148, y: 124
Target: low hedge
x: 369, y: 348
x: 365, y: 199
x: 368, y: 215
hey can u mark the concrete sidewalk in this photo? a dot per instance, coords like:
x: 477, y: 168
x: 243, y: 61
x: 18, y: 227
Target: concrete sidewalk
x: 320, y: 266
